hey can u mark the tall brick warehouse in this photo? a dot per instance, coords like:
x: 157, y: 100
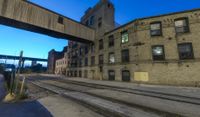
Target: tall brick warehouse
x: 161, y: 49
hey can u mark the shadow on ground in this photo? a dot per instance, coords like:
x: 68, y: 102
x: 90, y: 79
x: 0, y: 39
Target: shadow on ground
x: 24, y: 109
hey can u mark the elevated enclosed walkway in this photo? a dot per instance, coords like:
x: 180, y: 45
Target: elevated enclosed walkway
x: 29, y: 16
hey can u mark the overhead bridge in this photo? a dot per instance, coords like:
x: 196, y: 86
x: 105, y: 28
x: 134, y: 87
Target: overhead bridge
x: 26, y: 15
x: 23, y: 58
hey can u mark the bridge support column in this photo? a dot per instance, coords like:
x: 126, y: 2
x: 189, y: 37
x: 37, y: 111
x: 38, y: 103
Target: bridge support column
x: 33, y: 63
x: 23, y: 61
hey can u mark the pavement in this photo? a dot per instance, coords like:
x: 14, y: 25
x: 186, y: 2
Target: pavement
x: 2, y: 88
x: 42, y: 103
x: 63, y: 107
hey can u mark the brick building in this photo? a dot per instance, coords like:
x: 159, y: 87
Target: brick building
x: 61, y: 65
x: 52, y: 57
x: 160, y: 49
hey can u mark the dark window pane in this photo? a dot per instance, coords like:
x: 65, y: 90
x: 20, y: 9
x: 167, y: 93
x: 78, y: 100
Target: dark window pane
x: 92, y: 60
x: 101, y: 44
x: 87, y: 23
x: 86, y: 61
x: 86, y: 50
x: 125, y: 55
x: 185, y: 51
x: 111, y: 41
x: 80, y: 73
x: 111, y: 75
x: 91, y: 20
x: 126, y: 75
x: 100, y: 59
x: 60, y: 20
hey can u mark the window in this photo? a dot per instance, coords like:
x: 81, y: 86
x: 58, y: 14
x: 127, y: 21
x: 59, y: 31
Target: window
x: 111, y: 75
x: 111, y: 41
x: 156, y: 29
x: 80, y: 62
x: 126, y: 76
x: 80, y: 73
x: 91, y: 20
x: 87, y: 23
x: 85, y: 73
x: 158, y: 52
x: 86, y: 61
x: 68, y: 73
x: 86, y: 50
x: 100, y: 22
x: 125, y: 55
x: 182, y: 25
x: 80, y: 51
x: 92, y: 48
x: 60, y: 20
x: 111, y: 57
x: 124, y: 37
x: 100, y: 68
x: 185, y: 51
x: 100, y: 59
x: 93, y: 60
x: 75, y: 73
x: 101, y: 44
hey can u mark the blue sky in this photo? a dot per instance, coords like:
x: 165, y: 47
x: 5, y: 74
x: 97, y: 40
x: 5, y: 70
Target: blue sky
x: 37, y: 45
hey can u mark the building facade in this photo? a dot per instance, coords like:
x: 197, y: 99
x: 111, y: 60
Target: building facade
x: 158, y: 50
x: 52, y: 57
x: 61, y: 65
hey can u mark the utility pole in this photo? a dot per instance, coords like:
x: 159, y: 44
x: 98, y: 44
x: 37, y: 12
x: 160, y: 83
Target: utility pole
x: 18, y: 70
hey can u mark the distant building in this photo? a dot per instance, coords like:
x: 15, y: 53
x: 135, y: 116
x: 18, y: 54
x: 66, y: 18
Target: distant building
x: 61, y: 65
x: 52, y: 57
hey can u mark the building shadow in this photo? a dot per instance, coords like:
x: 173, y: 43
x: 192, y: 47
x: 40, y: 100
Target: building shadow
x: 24, y: 109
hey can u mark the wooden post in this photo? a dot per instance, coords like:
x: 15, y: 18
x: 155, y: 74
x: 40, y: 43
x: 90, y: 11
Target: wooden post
x: 22, y: 86
x: 18, y: 70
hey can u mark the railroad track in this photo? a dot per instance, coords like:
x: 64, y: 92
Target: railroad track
x: 155, y: 94
x: 55, y: 88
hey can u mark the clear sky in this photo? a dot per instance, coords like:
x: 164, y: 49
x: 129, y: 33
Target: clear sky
x: 36, y: 45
